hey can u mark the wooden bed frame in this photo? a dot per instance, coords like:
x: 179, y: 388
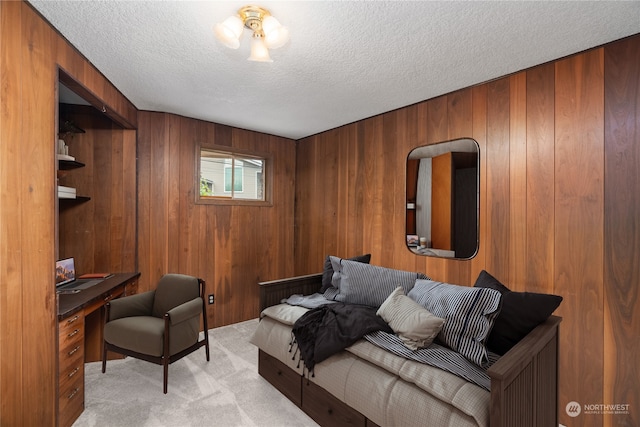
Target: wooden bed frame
x: 524, y: 382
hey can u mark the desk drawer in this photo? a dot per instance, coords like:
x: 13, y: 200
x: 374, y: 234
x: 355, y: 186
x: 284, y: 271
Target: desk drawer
x: 71, y: 368
x: 71, y: 330
x: 71, y: 401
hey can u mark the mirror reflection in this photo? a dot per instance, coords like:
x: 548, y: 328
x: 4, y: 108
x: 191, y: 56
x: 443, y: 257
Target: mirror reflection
x: 443, y: 199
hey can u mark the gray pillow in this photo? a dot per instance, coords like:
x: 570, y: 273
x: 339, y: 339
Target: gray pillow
x: 357, y: 283
x: 414, y: 325
x: 327, y: 270
x: 469, y: 313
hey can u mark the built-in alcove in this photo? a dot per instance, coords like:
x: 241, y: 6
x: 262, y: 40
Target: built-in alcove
x: 96, y: 203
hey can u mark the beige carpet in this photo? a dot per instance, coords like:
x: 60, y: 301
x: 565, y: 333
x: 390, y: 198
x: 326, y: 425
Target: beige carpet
x: 227, y: 391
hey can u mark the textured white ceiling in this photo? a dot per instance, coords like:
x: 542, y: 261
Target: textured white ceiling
x: 346, y: 60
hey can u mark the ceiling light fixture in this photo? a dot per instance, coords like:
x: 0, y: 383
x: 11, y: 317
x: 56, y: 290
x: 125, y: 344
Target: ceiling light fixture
x: 268, y: 33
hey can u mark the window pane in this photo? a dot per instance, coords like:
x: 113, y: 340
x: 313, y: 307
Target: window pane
x: 227, y: 175
x: 237, y: 179
x: 212, y: 173
x: 253, y: 186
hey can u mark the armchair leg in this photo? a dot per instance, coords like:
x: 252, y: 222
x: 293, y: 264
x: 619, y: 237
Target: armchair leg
x: 165, y: 364
x: 104, y: 357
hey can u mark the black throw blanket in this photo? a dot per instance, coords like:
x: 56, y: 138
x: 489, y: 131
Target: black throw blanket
x: 328, y: 329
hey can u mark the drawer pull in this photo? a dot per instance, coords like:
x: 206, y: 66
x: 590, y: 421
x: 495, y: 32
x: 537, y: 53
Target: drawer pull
x: 279, y: 373
x: 70, y: 321
x: 74, y: 350
x: 108, y: 297
x: 75, y: 371
x: 330, y: 411
x: 73, y: 393
x: 73, y: 333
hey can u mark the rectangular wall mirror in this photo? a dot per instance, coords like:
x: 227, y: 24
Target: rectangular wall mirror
x: 443, y: 199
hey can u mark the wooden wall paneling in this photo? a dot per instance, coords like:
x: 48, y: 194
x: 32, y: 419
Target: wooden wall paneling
x: 391, y: 171
x: 146, y: 132
x: 345, y: 190
x: 460, y: 124
x: 517, y: 180
x: 12, y: 405
x: 357, y: 183
x: 334, y: 194
x: 117, y: 209
x: 497, y: 151
x: 621, y: 230
x: 540, y: 178
x: 479, y: 133
x: 205, y: 252
x: 418, y: 122
x: 158, y: 190
x: 127, y: 202
x: 38, y: 383
x: 102, y: 191
x: 310, y: 247
x: 437, y: 131
x: 375, y: 163
x: 579, y: 219
x: 405, y: 137
x: 180, y: 151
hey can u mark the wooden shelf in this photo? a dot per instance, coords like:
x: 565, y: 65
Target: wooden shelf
x: 69, y: 202
x: 69, y: 164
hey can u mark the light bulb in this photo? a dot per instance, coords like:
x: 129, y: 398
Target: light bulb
x: 229, y: 31
x: 259, y: 51
x: 275, y: 35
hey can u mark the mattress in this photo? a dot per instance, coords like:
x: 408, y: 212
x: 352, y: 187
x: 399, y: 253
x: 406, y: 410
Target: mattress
x: 386, y: 388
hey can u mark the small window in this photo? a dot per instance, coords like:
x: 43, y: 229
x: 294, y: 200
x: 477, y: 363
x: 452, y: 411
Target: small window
x: 227, y: 176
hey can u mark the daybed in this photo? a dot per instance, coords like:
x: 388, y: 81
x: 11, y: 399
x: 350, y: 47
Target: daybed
x: 367, y: 385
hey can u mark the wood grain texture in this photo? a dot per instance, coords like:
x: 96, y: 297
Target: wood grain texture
x: 540, y: 179
x: 441, y: 201
x: 100, y: 233
x: 12, y: 406
x: 231, y: 247
x: 551, y: 210
x: 38, y: 306
x: 498, y: 202
x: 621, y: 228
x: 579, y: 204
x: 517, y: 180
x: 30, y: 54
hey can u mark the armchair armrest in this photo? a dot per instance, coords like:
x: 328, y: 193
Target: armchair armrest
x: 133, y: 305
x: 185, y: 311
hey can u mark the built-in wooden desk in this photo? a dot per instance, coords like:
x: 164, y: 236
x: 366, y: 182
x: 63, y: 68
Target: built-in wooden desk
x: 80, y: 320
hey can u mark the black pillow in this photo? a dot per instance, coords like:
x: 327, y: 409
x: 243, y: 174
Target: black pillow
x: 521, y: 312
x: 327, y: 271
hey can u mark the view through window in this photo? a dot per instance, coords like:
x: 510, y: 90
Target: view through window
x: 227, y: 175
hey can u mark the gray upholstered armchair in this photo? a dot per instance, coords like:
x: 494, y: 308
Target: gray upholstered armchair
x: 158, y: 326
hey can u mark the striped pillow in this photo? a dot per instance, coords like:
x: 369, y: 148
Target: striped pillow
x: 358, y: 283
x: 469, y: 313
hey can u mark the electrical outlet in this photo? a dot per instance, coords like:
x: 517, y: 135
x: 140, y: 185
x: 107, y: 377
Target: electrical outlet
x: 211, y: 299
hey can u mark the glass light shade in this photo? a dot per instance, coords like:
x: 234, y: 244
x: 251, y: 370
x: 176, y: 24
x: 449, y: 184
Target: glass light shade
x: 275, y: 35
x: 259, y: 51
x: 229, y: 31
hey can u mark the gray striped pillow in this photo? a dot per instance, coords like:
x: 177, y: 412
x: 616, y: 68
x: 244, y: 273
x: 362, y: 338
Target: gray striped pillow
x: 358, y: 283
x: 469, y: 313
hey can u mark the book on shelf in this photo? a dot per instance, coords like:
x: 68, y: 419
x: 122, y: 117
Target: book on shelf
x: 66, y: 192
x: 65, y: 157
